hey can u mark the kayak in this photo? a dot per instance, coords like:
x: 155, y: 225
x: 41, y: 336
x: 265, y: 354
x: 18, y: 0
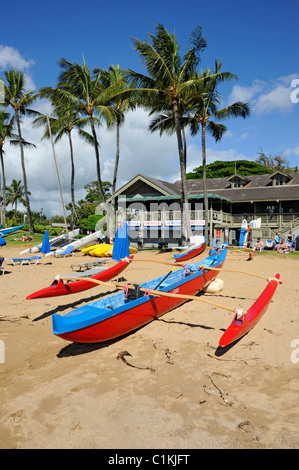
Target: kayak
x: 240, y: 326
x: 88, y: 249
x: 118, y: 314
x: 191, y: 253
x: 58, y: 287
x: 7, y: 231
x: 59, y: 241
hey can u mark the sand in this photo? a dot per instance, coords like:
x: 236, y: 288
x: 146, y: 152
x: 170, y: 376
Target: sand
x: 174, y: 390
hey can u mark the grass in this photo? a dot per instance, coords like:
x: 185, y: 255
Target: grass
x: 292, y: 254
x: 10, y: 239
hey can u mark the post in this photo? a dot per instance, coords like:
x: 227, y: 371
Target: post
x: 54, y: 157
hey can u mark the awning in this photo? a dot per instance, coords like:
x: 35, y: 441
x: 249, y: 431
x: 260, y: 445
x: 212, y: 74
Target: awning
x: 171, y: 198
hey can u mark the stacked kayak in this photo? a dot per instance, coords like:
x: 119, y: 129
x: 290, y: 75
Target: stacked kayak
x: 103, y: 250
x: 98, y: 250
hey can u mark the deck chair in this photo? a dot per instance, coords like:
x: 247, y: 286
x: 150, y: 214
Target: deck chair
x: 67, y: 252
x: 21, y: 261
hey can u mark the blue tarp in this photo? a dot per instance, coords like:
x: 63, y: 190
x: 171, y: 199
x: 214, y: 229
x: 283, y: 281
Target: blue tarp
x: 46, y: 244
x: 121, y: 243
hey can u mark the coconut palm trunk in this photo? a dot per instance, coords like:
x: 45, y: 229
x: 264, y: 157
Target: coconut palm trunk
x: 27, y: 202
x: 204, y: 177
x: 3, y: 190
x: 72, y: 179
x: 185, y: 214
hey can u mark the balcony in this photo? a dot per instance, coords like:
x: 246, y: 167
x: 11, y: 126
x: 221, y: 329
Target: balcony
x: 270, y: 221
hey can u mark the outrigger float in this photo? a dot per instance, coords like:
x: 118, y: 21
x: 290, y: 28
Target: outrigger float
x: 58, y: 287
x: 191, y: 253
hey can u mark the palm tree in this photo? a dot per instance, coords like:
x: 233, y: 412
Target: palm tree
x: 170, y: 80
x: 6, y: 133
x: 204, y: 108
x: 19, y: 99
x: 116, y: 76
x: 15, y: 194
x: 78, y: 86
x: 197, y: 112
x: 63, y: 121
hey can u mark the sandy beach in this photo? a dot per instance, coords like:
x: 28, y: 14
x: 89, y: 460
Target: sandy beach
x: 174, y: 390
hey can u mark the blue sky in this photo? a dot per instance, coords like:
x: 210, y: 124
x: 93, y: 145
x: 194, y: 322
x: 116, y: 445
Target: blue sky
x: 257, y: 40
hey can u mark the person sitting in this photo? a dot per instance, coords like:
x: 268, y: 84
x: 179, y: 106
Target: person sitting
x: 283, y: 247
x: 259, y: 245
x: 162, y: 243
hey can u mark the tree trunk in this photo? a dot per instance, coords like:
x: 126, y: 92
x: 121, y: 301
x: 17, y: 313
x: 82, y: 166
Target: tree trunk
x: 3, y: 204
x: 27, y: 203
x: 116, y: 164
x: 204, y: 177
x: 185, y: 214
x: 72, y: 181
x: 96, y: 147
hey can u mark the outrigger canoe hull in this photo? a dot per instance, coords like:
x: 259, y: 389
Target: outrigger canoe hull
x: 239, y: 327
x: 191, y: 253
x: 58, y: 287
x: 113, y: 316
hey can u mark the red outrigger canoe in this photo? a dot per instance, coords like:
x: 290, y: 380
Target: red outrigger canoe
x: 58, y: 287
x: 240, y: 326
x: 118, y: 314
x: 196, y: 250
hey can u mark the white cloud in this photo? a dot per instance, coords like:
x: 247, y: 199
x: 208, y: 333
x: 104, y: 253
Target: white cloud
x: 266, y: 97
x: 277, y: 99
x: 245, y: 94
x: 11, y: 58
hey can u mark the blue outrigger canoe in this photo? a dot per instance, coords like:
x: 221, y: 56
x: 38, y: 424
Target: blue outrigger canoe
x: 121, y: 313
x: 6, y: 231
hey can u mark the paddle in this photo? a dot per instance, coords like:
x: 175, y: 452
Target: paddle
x: 158, y: 293
x: 209, y: 268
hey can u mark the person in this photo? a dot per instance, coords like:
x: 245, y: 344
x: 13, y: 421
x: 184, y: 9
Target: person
x: 283, y: 247
x: 259, y: 245
x: 277, y: 238
x: 290, y: 237
x: 162, y: 243
x: 139, y: 241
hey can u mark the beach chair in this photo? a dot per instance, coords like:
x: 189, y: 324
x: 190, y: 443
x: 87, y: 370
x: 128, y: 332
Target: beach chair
x: 67, y: 252
x: 21, y: 261
x: 270, y: 244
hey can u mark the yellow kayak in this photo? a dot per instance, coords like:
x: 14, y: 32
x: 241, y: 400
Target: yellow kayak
x: 101, y: 250
x: 88, y: 249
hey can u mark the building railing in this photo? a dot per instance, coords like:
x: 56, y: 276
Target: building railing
x: 271, y: 220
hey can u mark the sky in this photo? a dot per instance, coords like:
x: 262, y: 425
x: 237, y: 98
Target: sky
x: 257, y: 40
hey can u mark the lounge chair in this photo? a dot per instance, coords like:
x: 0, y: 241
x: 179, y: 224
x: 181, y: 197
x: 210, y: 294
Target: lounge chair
x: 21, y: 261
x: 67, y: 252
x: 89, y: 264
